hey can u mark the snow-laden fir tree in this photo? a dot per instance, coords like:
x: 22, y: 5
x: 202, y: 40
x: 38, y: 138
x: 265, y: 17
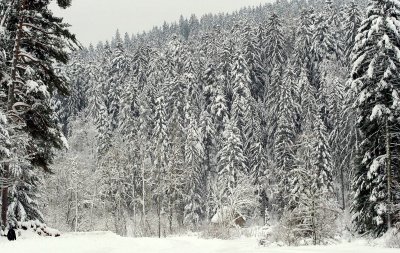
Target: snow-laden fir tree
x: 40, y: 42
x: 311, y: 209
x: 275, y: 42
x: 231, y: 159
x: 375, y: 79
x: 304, y: 38
x: 353, y: 22
x: 214, y: 97
x: 194, y: 170
x: 120, y: 68
x: 285, y: 139
x: 24, y: 205
x: 161, y: 144
x: 241, y: 92
x: 253, y: 57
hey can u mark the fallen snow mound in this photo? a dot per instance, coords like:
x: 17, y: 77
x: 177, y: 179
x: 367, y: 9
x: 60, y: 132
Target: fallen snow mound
x: 38, y: 227
x: 31, y: 230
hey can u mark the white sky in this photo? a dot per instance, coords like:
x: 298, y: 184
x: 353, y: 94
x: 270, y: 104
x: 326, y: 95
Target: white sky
x: 95, y: 20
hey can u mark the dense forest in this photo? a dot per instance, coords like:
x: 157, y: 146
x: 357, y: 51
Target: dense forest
x: 286, y: 113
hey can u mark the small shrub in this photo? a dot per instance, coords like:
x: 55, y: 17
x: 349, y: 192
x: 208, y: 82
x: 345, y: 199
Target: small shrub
x: 392, y: 238
x: 216, y: 231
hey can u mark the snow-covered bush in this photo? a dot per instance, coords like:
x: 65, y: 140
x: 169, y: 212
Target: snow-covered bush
x: 38, y: 228
x: 392, y: 238
x: 284, y: 232
x: 308, y: 224
x: 219, y: 232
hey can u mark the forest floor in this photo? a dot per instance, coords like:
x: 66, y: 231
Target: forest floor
x: 107, y: 242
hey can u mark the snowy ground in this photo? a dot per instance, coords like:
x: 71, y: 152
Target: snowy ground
x: 105, y: 242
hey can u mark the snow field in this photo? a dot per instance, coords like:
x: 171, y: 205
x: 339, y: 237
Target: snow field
x: 107, y: 242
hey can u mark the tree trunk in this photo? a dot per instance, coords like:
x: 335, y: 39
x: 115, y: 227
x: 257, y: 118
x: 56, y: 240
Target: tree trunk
x: 4, y: 207
x: 143, y: 198
x: 11, y: 98
x: 76, y: 210
x: 134, y: 202
x: 314, y: 226
x: 159, y: 201
x: 343, y: 187
x: 388, y: 174
x: 92, y: 208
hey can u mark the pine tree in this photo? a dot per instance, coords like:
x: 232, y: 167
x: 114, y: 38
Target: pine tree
x: 375, y: 80
x: 103, y: 127
x: 161, y: 148
x: 253, y: 56
x: 214, y: 97
x: 284, y: 145
x: 231, y: 159
x: 41, y: 42
x: 256, y: 154
x: 324, y: 45
x: 24, y: 204
x: 311, y: 211
x: 195, y: 190
x: 334, y: 20
x: 304, y: 37
x: 323, y: 160
x: 311, y: 204
x: 241, y: 92
x: 353, y: 22
x: 120, y: 69
x: 275, y: 44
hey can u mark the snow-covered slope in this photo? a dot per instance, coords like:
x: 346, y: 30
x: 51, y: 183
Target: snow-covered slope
x: 106, y: 242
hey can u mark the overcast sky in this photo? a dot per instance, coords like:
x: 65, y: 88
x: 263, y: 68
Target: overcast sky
x: 94, y: 20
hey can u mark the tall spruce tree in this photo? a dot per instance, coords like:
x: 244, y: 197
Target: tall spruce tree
x: 353, y: 22
x: 284, y: 145
x: 375, y: 79
x: 41, y: 42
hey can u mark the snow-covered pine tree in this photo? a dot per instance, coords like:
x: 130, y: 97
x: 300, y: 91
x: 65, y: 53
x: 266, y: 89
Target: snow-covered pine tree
x: 334, y: 20
x: 161, y: 143
x: 195, y: 190
x: 231, y: 159
x: 303, y: 39
x: 214, y: 97
x: 41, y: 42
x: 324, y: 45
x: 311, y: 206
x: 141, y: 61
x: 323, y: 161
x: 351, y: 25
x: 311, y: 212
x: 241, y: 92
x: 127, y: 41
x: 103, y: 127
x: 375, y: 79
x: 286, y: 132
x: 77, y: 100
x: 24, y: 205
x: 253, y: 57
x: 256, y: 155
x: 119, y: 71
x: 275, y: 51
